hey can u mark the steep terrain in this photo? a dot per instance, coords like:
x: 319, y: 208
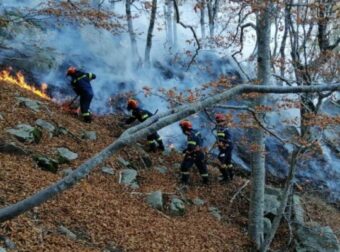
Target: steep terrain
x: 103, y: 214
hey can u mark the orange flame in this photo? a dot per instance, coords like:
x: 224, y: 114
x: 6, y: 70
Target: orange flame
x: 19, y: 80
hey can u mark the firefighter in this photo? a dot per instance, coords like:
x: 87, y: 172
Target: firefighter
x: 154, y: 140
x: 194, y: 153
x: 80, y: 83
x: 225, y: 147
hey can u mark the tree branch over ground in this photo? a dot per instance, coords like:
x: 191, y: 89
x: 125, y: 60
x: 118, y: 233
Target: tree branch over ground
x: 140, y: 131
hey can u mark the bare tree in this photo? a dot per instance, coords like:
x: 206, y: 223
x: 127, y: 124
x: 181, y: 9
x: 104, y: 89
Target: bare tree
x: 130, y: 29
x: 202, y: 17
x: 150, y: 32
x: 256, y: 210
x: 213, y: 6
x: 137, y: 132
x: 168, y: 21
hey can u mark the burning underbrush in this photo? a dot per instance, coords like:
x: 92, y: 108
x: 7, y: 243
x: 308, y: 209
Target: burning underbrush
x: 99, y: 211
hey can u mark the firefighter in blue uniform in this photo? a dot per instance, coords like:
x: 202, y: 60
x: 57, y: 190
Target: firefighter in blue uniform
x: 81, y: 85
x: 225, y: 147
x: 154, y: 140
x: 193, y: 153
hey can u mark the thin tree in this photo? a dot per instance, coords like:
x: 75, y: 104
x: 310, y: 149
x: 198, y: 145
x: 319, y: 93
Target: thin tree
x: 258, y: 157
x: 150, y: 32
x: 131, y: 30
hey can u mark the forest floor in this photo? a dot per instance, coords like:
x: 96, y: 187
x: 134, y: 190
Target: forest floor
x: 105, y: 214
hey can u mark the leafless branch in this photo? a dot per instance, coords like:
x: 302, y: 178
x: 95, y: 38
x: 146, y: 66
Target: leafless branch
x: 178, y: 20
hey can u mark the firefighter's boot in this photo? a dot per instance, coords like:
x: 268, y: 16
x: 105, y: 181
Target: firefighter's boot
x: 87, y: 118
x: 160, y: 145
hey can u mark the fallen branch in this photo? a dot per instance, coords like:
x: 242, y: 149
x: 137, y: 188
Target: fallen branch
x: 148, y: 127
x: 238, y: 192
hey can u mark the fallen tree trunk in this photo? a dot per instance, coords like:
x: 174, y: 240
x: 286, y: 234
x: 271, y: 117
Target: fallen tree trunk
x: 142, y: 130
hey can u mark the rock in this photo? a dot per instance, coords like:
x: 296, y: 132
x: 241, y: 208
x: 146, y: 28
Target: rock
x: 2, y: 249
x: 63, y: 230
x: 177, y: 207
x: 267, y: 225
x: 299, y: 212
x: 66, y: 172
x: 26, y: 133
x: 9, y: 244
x: 317, y: 238
x: 128, y: 177
x: 1, y: 117
x: 65, y: 155
x: 11, y: 148
x: 145, y: 156
x: 89, y: 135
x: 155, y: 200
x: 198, y: 202
x: 108, y: 170
x: 47, y: 126
x: 123, y: 162
x: 28, y: 103
x: 162, y: 169
x: 271, y: 204
x: 177, y: 166
x: 273, y: 191
x: 112, y: 248
x: 215, y: 212
x: 46, y: 164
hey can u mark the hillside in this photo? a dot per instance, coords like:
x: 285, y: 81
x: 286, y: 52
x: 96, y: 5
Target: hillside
x: 104, y: 214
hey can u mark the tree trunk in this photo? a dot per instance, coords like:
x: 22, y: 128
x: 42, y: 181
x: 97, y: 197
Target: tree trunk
x: 202, y: 19
x: 286, y: 193
x: 131, y: 32
x: 168, y: 20
x: 258, y: 158
x: 212, y: 13
x: 140, y: 131
x: 175, y: 44
x: 150, y: 31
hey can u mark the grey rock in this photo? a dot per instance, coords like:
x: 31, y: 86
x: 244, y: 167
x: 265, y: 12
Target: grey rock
x: 65, y: 155
x: 29, y: 103
x: 198, y: 202
x: 9, y: 244
x: 47, y: 126
x: 273, y: 191
x: 162, y: 169
x: 112, y: 247
x: 65, y: 231
x: 134, y: 186
x: 177, y: 207
x: 12, y: 148
x: 66, y: 172
x: 299, y: 213
x: 177, y: 166
x: 267, y: 225
x: 215, y: 212
x: 108, y: 170
x: 26, y: 133
x: 271, y: 204
x: 128, y: 177
x: 46, y: 163
x: 2, y: 249
x: 123, y: 162
x: 145, y: 156
x: 89, y: 135
x: 155, y: 200
x: 317, y: 238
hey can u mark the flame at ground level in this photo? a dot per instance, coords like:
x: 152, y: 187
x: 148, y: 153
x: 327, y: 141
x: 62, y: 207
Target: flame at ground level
x: 19, y: 80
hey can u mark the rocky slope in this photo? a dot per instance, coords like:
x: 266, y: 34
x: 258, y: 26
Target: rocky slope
x: 103, y: 214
